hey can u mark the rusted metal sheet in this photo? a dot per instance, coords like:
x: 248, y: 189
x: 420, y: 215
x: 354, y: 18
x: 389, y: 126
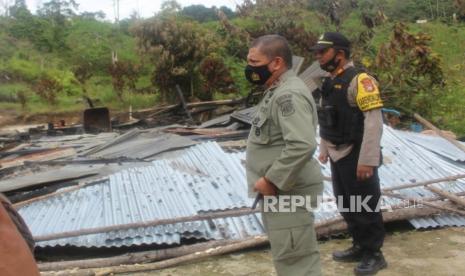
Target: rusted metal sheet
x: 46, y: 155
x: 97, y: 120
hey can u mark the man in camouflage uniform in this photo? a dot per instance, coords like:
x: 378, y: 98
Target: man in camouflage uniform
x: 280, y: 147
x: 351, y: 126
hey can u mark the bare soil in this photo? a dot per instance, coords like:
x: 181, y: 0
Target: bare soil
x: 423, y: 253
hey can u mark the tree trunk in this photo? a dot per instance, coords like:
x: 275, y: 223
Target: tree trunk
x: 132, y: 258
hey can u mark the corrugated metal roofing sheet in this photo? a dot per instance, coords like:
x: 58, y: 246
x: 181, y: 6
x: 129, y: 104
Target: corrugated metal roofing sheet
x: 80, y: 142
x: 439, y: 157
x: 435, y: 144
x: 405, y: 162
x: 205, y: 178
x: 142, y: 144
x: 297, y: 63
x: 312, y: 76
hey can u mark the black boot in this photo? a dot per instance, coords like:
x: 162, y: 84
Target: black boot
x: 352, y: 254
x: 371, y: 263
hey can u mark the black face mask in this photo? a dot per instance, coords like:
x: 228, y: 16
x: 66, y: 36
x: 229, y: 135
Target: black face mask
x: 257, y: 75
x: 331, y: 65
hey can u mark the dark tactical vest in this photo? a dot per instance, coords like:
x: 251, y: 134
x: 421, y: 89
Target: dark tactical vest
x: 339, y: 122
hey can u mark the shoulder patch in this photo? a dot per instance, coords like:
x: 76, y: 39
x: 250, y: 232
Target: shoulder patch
x: 283, y: 98
x: 286, y: 105
x: 368, y: 96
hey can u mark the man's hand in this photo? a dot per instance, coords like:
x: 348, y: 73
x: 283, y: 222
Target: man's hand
x: 323, y: 157
x: 364, y: 172
x: 265, y: 187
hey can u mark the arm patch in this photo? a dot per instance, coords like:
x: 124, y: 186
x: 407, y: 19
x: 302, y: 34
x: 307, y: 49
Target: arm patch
x: 286, y: 105
x: 368, y: 96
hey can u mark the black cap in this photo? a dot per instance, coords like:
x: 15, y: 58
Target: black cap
x: 331, y: 39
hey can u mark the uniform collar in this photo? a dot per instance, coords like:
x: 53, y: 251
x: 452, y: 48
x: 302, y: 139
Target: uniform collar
x: 341, y: 70
x: 283, y: 78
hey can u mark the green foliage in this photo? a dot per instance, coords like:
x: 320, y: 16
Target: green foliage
x: 66, y: 80
x: 177, y: 47
x: 202, y: 14
x: 235, y: 40
x: 236, y: 67
x: 54, y: 22
x: 409, y: 71
x: 92, y: 42
x: 410, y: 10
x: 123, y: 74
x: 89, y: 42
x: 22, y: 69
x: 48, y: 88
x: 58, y: 11
x: 285, y: 18
x: 199, y: 13
x: 216, y: 77
x: 8, y: 92
x: 204, y: 50
x: 448, y: 41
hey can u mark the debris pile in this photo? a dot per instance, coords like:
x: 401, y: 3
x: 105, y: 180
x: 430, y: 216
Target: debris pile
x: 178, y: 189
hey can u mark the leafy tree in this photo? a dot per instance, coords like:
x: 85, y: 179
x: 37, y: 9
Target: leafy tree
x: 216, y: 76
x: 90, y: 45
x: 18, y: 9
x: 334, y: 10
x: 176, y: 47
x: 227, y: 11
x: 58, y: 11
x: 409, y: 71
x: 99, y: 15
x: 235, y: 40
x: 123, y: 74
x: 55, y: 16
x: 83, y: 73
x: 22, y: 22
x: 170, y: 6
x: 411, y: 10
x: 126, y: 24
x: 460, y: 8
x: 24, y: 25
x: 199, y: 13
x: 117, y: 72
x: 48, y: 88
x: 285, y: 18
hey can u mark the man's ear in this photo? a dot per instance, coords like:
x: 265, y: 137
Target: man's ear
x: 277, y: 64
x: 340, y: 55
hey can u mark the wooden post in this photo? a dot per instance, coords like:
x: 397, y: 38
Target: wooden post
x: 430, y: 204
x: 452, y: 197
x: 220, y: 250
x: 183, y: 101
x: 206, y: 216
x: 133, y: 258
x: 425, y: 183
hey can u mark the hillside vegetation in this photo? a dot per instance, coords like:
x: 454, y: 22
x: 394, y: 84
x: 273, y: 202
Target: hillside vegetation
x: 52, y: 59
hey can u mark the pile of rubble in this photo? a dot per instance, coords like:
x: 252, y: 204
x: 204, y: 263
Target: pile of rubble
x: 174, y: 191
